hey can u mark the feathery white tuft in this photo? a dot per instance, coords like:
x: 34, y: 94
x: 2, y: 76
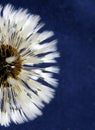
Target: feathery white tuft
x: 25, y: 96
x: 11, y: 59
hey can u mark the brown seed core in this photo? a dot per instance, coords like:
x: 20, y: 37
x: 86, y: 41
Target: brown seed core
x: 9, y: 69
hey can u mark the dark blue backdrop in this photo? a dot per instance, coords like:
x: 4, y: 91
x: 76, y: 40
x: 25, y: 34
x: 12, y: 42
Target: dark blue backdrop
x: 73, y: 22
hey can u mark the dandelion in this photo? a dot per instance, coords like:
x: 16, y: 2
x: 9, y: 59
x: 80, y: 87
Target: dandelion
x: 27, y: 64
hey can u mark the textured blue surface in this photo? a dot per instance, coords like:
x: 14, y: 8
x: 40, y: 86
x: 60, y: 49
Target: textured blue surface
x: 73, y: 22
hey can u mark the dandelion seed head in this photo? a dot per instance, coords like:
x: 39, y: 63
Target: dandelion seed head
x: 26, y: 71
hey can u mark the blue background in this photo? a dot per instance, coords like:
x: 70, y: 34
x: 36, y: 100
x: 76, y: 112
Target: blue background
x: 73, y: 22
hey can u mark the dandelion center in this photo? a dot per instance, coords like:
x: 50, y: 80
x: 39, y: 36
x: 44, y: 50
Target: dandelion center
x: 10, y: 63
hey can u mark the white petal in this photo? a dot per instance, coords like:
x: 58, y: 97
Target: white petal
x: 53, y: 69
